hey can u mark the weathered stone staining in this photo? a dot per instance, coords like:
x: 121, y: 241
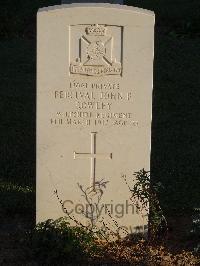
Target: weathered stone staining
x: 94, y: 91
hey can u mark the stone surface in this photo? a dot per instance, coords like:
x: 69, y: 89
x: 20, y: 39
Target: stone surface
x: 94, y: 93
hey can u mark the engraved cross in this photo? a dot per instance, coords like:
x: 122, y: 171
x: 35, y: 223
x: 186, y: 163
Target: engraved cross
x: 92, y: 156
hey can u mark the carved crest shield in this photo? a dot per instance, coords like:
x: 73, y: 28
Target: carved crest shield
x: 96, y: 56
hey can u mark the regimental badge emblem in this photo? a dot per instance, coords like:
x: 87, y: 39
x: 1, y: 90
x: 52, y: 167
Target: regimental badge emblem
x: 95, y: 54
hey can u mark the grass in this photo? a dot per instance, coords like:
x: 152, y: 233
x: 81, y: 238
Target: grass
x: 16, y: 200
x: 66, y: 242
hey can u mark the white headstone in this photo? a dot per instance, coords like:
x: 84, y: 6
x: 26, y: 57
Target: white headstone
x: 94, y: 97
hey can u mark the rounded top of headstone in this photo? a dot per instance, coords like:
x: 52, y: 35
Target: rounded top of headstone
x: 97, y: 4
x: 93, y: 1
